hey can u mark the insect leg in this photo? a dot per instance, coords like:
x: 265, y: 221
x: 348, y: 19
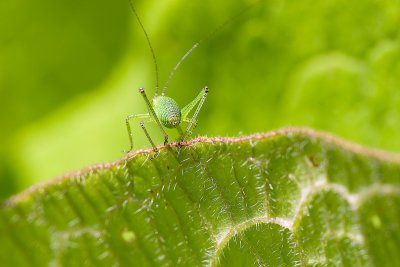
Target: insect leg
x: 128, y: 126
x: 148, y: 136
x: 180, y: 131
x: 200, y: 98
x: 194, y: 121
x: 153, y: 113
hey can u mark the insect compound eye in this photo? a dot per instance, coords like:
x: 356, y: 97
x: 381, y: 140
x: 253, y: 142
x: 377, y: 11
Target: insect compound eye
x: 141, y: 90
x: 206, y: 89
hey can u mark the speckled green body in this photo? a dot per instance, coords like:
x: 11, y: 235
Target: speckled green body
x: 167, y: 110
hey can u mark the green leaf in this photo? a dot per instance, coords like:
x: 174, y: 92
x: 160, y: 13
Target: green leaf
x: 294, y: 197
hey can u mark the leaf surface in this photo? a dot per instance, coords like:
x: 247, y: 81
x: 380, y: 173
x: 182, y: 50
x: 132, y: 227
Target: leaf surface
x: 293, y: 197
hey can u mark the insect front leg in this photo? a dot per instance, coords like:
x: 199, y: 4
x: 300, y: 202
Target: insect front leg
x: 199, y: 100
x: 148, y: 137
x: 128, y: 126
x: 153, y: 113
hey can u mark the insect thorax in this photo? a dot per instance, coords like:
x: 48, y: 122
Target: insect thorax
x: 167, y: 110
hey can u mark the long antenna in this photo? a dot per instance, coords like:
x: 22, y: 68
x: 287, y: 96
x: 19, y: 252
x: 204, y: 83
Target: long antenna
x: 148, y: 41
x: 209, y: 36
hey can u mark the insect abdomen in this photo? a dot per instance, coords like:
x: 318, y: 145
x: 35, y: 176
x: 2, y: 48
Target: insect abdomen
x: 167, y: 110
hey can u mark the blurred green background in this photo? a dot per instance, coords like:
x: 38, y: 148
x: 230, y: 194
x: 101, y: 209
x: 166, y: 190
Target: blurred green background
x: 70, y: 70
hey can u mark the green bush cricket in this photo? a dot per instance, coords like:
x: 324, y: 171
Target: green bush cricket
x: 163, y: 110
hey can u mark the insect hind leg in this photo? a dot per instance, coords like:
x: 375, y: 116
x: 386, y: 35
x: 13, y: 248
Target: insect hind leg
x: 199, y: 101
